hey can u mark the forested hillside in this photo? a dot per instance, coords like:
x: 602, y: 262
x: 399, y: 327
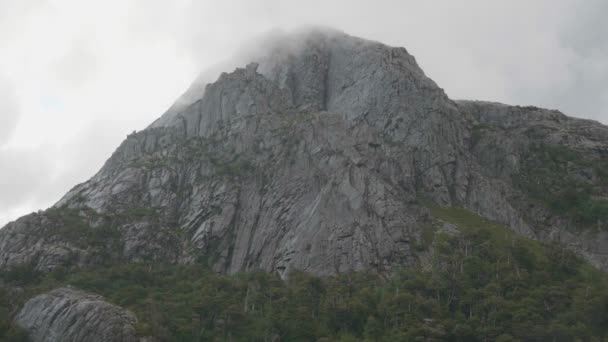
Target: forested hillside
x: 482, y: 283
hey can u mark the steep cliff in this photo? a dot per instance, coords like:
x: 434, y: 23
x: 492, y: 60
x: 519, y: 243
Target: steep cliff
x: 552, y: 168
x: 324, y: 155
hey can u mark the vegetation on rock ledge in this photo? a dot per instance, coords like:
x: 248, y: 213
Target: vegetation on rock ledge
x: 486, y: 284
x: 567, y: 182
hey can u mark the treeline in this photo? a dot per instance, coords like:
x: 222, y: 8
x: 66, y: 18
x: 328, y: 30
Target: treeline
x: 483, y: 284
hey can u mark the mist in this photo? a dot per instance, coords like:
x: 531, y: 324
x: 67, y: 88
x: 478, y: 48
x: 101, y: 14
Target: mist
x: 76, y: 78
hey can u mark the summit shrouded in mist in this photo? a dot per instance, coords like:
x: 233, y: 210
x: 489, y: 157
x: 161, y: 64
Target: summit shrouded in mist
x: 324, y: 153
x: 317, y: 155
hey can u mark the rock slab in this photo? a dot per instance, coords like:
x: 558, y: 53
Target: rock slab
x: 66, y: 314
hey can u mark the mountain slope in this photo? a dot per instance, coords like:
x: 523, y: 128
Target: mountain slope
x: 482, y: 282
x: 325, y: 156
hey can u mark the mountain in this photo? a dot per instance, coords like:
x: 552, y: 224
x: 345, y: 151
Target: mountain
x: 326, y: 154
x: 320, y: 157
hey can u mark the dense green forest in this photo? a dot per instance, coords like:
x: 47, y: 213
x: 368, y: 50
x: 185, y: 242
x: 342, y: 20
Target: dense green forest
x: 483, y: 283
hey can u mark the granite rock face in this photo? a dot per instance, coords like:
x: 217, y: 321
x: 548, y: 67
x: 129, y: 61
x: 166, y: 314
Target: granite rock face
x: 322, y: 155
x: 512, y: 143
x: 66, y: 314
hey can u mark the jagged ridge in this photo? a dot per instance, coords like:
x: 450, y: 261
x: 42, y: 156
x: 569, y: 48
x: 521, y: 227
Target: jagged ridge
x: 321, y: 156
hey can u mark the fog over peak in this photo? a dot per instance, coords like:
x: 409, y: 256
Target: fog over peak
x: 77, y: 77
x: 276, y: 43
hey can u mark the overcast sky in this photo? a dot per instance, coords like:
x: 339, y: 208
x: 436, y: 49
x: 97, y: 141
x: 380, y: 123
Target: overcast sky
x: 77, y: 76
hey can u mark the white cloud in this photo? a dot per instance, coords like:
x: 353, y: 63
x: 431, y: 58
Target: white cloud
x: 9, y: 110
x: 77, y: 76
x: 24, y: 173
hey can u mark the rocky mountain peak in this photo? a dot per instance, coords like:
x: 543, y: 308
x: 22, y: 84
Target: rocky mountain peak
x: 326, y: 70
x: 323, y: 153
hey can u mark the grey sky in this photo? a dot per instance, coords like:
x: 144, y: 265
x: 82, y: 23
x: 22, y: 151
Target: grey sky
x: 9, y: 110
x: 77, y: 76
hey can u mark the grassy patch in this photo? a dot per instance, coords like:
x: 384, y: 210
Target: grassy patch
x: 478, y: 132
x: 474, y: 226
x: 135, y: 214
x: 152, y: 162
x: 549, y: 175
x: 74, y: 226
x: 226, y: 163
x: 427, y: 236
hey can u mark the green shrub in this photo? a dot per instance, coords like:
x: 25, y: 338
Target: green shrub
x: 486, y: 284
x: 548, y: 174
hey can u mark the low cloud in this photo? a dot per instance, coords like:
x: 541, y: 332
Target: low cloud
x: 585, y: 36
x: 78, y: 65
x: 9, y: 110
x: 24, y: 175
x: 33, y: 178
x: 79, y: 76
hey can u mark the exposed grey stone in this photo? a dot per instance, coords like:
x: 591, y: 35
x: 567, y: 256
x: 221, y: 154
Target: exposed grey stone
x: 508, y: 134
x: 319, y: 156
x: 67, y: 314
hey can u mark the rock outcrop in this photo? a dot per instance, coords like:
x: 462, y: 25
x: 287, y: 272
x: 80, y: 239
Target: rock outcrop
x: 538, y: 157
x: 322, y: 156
x: 66, y: 314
